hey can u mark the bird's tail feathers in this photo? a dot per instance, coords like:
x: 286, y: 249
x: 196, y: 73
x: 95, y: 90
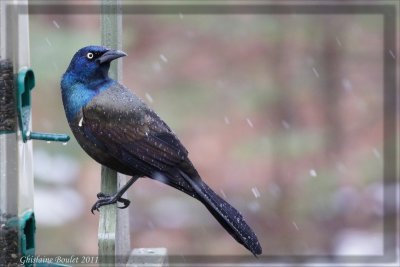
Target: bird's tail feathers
x: 226, y: 215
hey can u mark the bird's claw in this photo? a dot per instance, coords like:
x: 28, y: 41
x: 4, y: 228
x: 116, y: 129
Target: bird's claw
x: 125, y: 202
x: 101, y: 195
x: 104, y: 200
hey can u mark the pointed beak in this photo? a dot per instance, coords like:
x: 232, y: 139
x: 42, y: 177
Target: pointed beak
x: 110, y: 55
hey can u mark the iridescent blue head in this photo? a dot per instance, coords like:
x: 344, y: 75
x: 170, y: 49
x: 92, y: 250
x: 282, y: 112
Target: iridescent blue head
x: 92, y: 62
x: 86, y: 76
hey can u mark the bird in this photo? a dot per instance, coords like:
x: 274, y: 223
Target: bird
x: 119, y: 130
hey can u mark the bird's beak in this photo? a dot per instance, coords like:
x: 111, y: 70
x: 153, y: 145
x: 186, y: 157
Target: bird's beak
x: 110, y: 55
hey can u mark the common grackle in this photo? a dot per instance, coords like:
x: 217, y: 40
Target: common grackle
x: 118, y: 130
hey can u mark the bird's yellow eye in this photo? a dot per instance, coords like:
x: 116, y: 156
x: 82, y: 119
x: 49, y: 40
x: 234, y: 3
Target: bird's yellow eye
x: 89, y: 55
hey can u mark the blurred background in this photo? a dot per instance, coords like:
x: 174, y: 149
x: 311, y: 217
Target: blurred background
x: 282, y: 116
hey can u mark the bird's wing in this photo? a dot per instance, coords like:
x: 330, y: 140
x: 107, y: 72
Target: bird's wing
x: 132, y: 133
x: 137, y: 138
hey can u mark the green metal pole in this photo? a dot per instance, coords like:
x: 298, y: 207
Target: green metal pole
x: 114, y: 242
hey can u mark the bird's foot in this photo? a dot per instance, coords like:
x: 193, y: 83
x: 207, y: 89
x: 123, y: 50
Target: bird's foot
x: 104, y: 200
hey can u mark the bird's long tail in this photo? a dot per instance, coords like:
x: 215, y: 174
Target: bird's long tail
x: 225, y: 214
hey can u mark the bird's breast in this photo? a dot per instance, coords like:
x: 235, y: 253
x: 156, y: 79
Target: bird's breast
x: 89, y: 143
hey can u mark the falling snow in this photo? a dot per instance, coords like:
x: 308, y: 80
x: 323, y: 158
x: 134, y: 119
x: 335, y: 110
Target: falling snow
x: 80, y: 122
x: 255, y: 191
x: 285, y: 124
x: 249, y: 123
x: 163, y: 58
x: 338, y: 42
x: 180, y: 15
x: 149, y: 98
x: 376, y: 153
x: 313, y: 173
x: 226, y: 120
x: 295, y: 226
x: 392, y: 53
x: 56, y: 24
x: 347, y: 85
x: 315, y: 72
x: 48, y: 41
x: 222, y: 193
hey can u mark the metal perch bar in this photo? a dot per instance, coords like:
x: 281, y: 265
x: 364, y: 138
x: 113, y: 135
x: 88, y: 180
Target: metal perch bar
x: 113, y: 235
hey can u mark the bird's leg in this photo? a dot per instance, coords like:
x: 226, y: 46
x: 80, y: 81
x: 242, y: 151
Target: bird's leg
x: 104, y: 199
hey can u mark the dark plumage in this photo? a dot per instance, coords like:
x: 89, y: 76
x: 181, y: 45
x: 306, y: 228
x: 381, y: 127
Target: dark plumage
x: 118, y: 130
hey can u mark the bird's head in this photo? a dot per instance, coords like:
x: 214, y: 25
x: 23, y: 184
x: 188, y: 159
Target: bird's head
x: 93, y: 62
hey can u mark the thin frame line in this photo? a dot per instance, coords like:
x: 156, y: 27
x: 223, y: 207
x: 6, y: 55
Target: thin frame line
x: 390, y: 98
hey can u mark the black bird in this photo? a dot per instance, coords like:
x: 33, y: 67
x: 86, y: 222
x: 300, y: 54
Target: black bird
x: 118, y: 130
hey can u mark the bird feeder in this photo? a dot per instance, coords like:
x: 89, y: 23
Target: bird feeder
x: 17, y: 220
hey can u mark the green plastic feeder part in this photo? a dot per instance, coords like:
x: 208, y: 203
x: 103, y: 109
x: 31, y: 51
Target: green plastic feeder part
x: 26, y: 82
x: 26, y: 227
